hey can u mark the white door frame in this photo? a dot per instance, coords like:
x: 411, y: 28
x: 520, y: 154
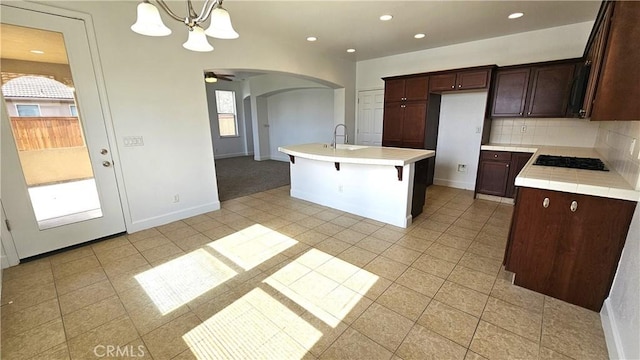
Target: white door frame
x: 101, y: 92
x: 357, y: 132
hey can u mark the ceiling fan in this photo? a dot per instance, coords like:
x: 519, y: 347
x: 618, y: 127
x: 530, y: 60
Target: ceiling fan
x: 212, y: 77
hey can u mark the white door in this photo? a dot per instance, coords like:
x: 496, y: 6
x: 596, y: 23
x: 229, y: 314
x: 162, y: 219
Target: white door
x: 58, y: 182
x: 370, y: 110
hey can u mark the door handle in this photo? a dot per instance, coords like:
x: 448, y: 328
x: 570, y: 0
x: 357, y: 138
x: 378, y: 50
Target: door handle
x: 545, y: 203
x: 106, y: 163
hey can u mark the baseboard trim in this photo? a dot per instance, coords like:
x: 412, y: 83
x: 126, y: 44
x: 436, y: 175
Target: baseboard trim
x: 499, y: 199
x: 611, y: 334
x: 454, y: 184
x: 232, y: 155
x: 148, y: 223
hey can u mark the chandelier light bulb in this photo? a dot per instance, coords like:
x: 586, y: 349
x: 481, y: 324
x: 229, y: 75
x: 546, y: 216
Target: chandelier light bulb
x: 149, y: 22
x: 197, y: 41
x: 220, y: 26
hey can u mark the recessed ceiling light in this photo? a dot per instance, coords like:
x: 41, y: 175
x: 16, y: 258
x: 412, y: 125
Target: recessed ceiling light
x: 351, y: 50
x: 419, y: 36
x: 312, y: 38
x: 37, y: 52
x: 386, y: 17
x: 516, y: 15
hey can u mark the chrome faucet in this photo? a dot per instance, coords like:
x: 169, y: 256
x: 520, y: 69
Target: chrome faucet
x: 335, y: 135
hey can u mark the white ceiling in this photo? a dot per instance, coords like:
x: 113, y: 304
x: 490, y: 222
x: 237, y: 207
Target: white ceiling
x: 355, y: 24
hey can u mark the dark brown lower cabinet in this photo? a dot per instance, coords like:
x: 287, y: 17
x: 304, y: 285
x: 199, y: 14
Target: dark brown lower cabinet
x: 567, y: 245
x: 497, y: 172
x: 518, y: 161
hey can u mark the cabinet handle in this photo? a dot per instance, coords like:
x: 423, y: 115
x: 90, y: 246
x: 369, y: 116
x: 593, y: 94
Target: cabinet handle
x: 507, y: 165
x: 574, y: 206
x: 495, y: 155
x: 520, y: 114
x: 529, y: 113
x: 545, y: 203
x: 453, y: 86
x: 459, y: 86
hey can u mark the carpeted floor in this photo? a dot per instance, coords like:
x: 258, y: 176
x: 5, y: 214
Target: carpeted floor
x: 241, y: 176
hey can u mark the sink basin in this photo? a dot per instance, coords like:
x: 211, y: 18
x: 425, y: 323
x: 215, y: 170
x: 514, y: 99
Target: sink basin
x: 350, y: 147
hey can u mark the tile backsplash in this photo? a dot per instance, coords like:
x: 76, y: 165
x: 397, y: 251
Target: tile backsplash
x: 619, y: 144
x: 551, y: 131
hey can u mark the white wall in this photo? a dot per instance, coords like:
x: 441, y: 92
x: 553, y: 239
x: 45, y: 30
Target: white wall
x: 621, y: 311
x: 227, y: 146
x: 459, y: 137
x: 259, y: 89
x: 299, y: 117
x: 541, y: 45
x: 156, y: 90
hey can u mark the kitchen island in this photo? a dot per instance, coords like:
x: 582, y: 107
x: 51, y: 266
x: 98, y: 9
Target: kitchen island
x: 381, y: 183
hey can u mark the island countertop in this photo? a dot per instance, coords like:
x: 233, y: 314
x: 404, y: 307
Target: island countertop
x: 358, y: 154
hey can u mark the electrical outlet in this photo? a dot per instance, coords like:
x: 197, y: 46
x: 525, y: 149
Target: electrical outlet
x: 478, y: 130
x: 176, y: 198
x: 462, y: 168
x: 523, y: 129
x: 133, y: 141
x: 632, y: 147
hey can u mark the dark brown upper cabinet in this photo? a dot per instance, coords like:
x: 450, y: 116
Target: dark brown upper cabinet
x: 406, y: 89
x: 540, y: 90
x: 550, y: 90
x: 613, y: 87
x: 461, y: 80
x: 510, y: 92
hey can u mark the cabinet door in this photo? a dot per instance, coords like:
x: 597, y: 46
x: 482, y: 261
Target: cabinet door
x: 510, y: 92
x: 550, y: 90
x: 618, y: 88
x: 534, y: 237
x: 472, y: 79
x: 518, y: 161
x: 443, y: 82
x: 413, y: 124
x: 492, y: 177
x: 586, y: 258
x: 392, y: 124
x: 416, y: 88
x: 394, y: 90
x: 595, y: 54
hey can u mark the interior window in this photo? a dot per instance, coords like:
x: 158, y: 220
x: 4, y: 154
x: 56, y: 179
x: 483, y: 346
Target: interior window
x: 226, y: 108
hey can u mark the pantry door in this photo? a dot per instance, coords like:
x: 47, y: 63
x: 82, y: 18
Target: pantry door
x: 58, y: 179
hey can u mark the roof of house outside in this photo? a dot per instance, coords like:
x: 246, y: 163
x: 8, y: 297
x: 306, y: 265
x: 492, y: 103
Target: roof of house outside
x: 36, y: 87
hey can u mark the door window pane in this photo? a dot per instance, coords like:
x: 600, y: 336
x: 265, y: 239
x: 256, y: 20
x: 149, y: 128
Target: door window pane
x: 48, y: 134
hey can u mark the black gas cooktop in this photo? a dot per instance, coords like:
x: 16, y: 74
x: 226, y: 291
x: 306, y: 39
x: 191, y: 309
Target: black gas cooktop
x: 571, y: 162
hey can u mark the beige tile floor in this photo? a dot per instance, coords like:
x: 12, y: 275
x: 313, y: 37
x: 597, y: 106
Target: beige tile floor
x: 271, y: 277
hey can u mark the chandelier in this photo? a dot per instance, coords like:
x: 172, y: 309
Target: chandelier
x: 150, y: 23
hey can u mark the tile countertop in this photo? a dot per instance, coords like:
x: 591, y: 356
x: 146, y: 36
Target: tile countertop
x: 607, y: 184
x: 358, y: 154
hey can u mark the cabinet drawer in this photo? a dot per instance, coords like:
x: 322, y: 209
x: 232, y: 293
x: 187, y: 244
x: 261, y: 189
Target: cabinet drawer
x: 496, y: 155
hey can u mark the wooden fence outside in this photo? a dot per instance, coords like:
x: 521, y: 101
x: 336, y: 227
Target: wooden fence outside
x: 37, y: 133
